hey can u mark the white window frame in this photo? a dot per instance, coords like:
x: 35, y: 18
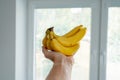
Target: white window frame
x: 98, y: 39
x: 105, y: 4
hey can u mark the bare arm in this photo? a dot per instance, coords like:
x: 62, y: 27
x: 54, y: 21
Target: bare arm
x: 62, y: 67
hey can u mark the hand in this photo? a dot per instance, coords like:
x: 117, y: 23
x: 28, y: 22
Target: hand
x: 62, y: 67
x: 57, y: 58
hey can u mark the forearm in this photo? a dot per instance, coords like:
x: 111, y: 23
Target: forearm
x: 60, y: 72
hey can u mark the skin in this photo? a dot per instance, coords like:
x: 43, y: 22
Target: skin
x: 62, y: 66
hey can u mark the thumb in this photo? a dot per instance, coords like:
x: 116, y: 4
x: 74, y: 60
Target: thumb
x: 47, y: 54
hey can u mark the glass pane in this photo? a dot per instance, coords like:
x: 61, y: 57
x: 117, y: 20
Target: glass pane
x: 113, y: 45
x: 63, y: 20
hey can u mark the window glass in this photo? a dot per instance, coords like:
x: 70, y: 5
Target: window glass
x: 63, y: 20
x: 113, y: 45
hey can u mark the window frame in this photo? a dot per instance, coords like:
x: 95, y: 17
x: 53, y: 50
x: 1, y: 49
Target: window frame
x: 31, y: 34
x: 98, y: 39
x: 105, y: 4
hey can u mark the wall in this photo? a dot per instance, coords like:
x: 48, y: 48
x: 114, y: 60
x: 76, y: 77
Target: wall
x: 20, y: 44
x: 12, y: 39
x: 7, y: 39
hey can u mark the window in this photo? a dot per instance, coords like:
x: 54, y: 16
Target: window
x: 63, y: 19
x: 113, y: 44
x: 92, y: 62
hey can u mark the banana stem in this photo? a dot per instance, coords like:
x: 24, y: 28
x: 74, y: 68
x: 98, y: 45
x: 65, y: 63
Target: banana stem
x: 51, y: 28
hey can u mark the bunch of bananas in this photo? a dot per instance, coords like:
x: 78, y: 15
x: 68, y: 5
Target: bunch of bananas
x: 67, y: 44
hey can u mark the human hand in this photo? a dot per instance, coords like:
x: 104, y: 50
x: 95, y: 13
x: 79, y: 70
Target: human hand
x: 58, y: 58
x: 62, y: 67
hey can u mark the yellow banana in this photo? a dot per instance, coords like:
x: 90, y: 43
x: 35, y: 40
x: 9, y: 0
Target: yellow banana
x: 77, y: 36
x: 73, y: 31
x: 70, y: 33
x: 71, y: 40
x: 44, y: 41
x: 48, y: 44
x: 56, y: 46
x: 67, y: 44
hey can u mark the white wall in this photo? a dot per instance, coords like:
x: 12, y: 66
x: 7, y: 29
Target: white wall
x: 12, y: 39
x: 7, y: 39
x: 20, y: 58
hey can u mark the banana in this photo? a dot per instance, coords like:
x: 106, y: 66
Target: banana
x: 44, y: 41
x: 68, y: 51
x: 66, y: 44
x: 48, y: 45
x: 73, y: 31
x: 70, y: 33
x: 71, y: 40
x: 77, y: 36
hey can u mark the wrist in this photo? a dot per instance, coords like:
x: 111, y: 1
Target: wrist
x: 63, y: 70
x: 64, y: 65
x: 63, y: 62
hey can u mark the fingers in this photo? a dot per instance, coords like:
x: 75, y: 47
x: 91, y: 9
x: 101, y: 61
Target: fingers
x: 44, y: 50
x: 56, y: 56
x: 48, y: 54
x: 70, y: 59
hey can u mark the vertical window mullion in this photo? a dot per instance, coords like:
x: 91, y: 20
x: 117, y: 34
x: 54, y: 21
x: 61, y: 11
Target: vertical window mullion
x: 103, y: 40
x: 95, y: 39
